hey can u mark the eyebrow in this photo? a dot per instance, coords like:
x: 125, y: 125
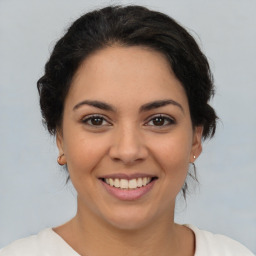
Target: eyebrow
x: 158, y: 104
x: 96, y: 104
x: 143, y: 108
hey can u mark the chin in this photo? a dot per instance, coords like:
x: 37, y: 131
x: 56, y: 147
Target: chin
x: 129, y: 219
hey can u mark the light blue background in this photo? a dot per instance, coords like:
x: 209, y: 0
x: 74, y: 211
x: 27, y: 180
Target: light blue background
x: 33, y: 194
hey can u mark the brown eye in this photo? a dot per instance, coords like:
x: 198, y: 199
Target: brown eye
x: 160, y: 121
x: 96, y: 121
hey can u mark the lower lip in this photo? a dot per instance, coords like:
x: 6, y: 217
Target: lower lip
x: 128, y: 195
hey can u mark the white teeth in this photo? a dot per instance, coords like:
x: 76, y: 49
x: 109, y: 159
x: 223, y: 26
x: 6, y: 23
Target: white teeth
x: 144, y: 181
x: 116, y: 183
x: 124, y: 184
x: 111, y: 182
x: 132, y: 184
x: 139, y: 182
x: 128, y: 184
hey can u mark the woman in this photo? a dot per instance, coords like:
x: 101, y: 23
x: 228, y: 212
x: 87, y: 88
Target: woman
x: 126, y: 94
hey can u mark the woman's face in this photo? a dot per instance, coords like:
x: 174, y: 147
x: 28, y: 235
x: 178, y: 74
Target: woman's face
x: 127, y: 136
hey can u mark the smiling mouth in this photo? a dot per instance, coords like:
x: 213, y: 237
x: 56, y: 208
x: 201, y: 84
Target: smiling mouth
x: 126, y: 184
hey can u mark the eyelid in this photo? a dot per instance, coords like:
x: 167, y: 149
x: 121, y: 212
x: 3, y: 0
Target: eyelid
x: 86, y: 118
x: 166, y: 117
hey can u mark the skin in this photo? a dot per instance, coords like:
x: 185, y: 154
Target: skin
x: 127, y: 140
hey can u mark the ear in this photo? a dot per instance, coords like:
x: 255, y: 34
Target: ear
x: 59, y: 142
x: 197, y: 143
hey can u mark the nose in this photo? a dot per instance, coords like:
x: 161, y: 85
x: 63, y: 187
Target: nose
x: 127, y: 146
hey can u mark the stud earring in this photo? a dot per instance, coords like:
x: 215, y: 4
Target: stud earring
x: 194, y: 157
x: 59, y: 159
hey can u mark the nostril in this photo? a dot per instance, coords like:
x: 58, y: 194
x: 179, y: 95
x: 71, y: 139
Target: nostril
x: 127, y: 161
x: 127, y: 149
x: 116, y: 159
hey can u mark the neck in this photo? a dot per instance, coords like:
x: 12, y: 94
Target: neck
x: 89, y: 235
x: 100, y: 239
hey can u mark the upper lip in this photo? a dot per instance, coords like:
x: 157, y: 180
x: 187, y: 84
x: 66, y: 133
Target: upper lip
x: 126, y: 176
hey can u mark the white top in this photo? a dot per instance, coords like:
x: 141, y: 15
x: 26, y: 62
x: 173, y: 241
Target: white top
x: 49, y: 243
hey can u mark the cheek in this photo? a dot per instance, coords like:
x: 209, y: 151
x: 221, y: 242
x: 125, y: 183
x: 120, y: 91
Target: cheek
x: 172, y: 152
x: 83, y: 153
x: 173, y: 149
x: 174, y: 163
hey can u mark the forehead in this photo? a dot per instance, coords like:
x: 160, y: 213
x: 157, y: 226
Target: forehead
x: 125, y: 75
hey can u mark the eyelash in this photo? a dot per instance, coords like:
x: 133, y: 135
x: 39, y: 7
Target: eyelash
x: 168, y: 121
x: 88, y: 119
